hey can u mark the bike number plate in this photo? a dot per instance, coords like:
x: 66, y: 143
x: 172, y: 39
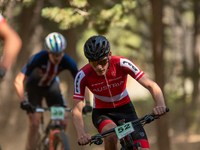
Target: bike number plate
x: 57, y: 113
x: 124, y: 130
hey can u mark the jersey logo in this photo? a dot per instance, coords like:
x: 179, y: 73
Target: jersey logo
x: 97, y: 84
x: 110, y: 86
x: 127, y: 63
x: 78, y: 79
x: 113, y: 73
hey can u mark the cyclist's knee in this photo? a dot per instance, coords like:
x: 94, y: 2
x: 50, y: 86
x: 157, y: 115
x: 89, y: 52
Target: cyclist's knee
x: 64, y: 122
x: 112, y: 139
x: 107, y: 125
x: 34, y: 121
x: 104, y: 123
x: 34, y: 125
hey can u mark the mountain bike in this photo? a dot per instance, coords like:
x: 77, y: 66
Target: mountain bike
x: 53, y: 136
x: 124, y: 131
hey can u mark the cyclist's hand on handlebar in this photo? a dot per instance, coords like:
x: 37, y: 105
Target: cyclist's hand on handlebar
x: 2, y: 72
x: 86, y: 109
x: 25, y: 105
x: 84, y: 139
x: 159, y: 110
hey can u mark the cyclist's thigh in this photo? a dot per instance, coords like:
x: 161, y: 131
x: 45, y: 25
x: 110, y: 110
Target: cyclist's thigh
x: 54, y: 95
x: 33, y: 94
x: 108, y: 126
x: 104, y: 123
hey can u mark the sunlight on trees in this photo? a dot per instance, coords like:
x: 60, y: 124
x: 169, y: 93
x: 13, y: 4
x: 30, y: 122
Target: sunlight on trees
x: 128, y: 26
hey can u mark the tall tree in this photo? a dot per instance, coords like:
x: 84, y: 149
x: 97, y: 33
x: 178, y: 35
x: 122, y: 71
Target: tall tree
x: 195, y: 54
x: 157, y: 43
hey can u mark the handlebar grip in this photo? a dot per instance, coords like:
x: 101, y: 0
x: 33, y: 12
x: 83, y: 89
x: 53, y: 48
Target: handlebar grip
x: 167, y: 109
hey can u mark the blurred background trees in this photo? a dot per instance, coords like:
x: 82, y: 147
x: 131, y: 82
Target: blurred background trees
x: 161, y: 37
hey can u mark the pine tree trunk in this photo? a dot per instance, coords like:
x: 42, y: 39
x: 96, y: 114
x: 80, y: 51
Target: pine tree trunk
x: 157, y: 43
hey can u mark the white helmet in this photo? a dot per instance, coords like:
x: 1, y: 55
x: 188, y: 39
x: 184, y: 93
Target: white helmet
x: 55, y: 42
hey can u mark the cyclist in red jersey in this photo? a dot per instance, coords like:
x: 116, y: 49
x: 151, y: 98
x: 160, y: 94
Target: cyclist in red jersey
x: 106, y: 76
x: 12, y: 45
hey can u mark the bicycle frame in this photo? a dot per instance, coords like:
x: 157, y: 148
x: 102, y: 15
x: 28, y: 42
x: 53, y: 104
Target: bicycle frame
x: 51, y: 129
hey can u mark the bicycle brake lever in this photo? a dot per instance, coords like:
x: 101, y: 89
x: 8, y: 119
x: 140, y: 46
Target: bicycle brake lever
x: 151, y: 119
x: 156, y: 117
x: 91, y: 143
x: 97, y: 142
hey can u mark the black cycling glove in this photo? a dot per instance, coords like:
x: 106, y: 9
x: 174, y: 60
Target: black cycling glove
x: 25, y: 105
x: 86, y: 109
x: 2, y: 72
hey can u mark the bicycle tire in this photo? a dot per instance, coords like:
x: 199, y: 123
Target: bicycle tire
x: 61, y: 141
x: 42, y: 145
x: 43, y: 142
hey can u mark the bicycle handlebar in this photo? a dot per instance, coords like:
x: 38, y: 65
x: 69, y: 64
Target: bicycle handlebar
x: 97, y: 139
x: 166, y: 109
x: 42, y: 109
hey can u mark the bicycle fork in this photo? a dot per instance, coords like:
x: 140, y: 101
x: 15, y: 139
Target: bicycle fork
x: 51, y: 140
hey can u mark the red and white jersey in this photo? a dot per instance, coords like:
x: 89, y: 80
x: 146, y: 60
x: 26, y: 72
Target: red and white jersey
x: 2, y: 20
x: 109, y: 90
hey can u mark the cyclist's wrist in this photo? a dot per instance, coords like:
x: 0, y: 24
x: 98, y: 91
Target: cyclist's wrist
x: 2, y: 72
x: 22, y: 100
x: 88, y: 103
x: 81, y: 134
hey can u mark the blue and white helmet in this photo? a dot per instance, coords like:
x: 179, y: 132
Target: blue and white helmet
x: 55, y: 42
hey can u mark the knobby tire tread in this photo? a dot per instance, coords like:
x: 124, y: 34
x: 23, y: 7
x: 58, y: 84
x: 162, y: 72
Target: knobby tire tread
x: 61, y: 137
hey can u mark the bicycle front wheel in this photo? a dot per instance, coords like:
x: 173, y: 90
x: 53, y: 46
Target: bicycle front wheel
x: 61, y: 141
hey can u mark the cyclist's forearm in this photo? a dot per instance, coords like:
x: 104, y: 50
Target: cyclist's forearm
x: 77, y: 118
x: 154, y: 89
x: 12, y: 46
x: 157, y: 95
x: 78, y: 123
x: 20, y: 92
x: 19, y: 86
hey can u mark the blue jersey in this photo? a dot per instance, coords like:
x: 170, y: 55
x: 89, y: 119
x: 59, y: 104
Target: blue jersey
x: 42, y: 72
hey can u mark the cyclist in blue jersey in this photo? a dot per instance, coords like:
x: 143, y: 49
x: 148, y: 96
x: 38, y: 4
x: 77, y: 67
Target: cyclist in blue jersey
x: 41, y: 76
x: 11, y: 47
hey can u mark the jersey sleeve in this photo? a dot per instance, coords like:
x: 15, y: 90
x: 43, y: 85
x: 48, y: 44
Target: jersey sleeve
x: 29, y: 66
x: 130, y: 68
x: 71, y: 65
x: 79, y: 85
x: 2, y: 20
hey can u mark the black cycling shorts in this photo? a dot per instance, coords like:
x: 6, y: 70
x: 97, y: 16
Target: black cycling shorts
x: 52, y: 94
x: 126, y: 112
